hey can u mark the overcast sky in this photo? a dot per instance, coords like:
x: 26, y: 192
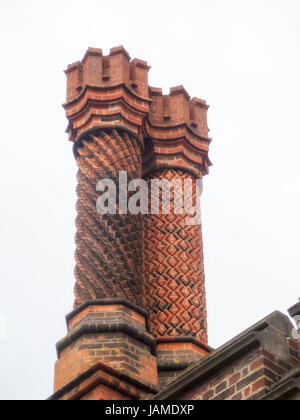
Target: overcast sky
x: 243, y: 57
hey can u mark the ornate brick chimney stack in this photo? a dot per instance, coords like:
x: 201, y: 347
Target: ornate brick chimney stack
x: 139, y: 315
x: 173, y: 272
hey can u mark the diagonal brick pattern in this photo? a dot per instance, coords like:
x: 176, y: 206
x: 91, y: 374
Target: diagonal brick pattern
x: 173, y: 271
x: 109, y: 247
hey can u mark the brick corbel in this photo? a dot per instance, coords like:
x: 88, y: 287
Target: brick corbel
x: 177, y: 135
x: 107, y: 91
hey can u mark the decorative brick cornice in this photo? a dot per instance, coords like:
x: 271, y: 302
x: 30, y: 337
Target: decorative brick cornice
x: 106, y: 302
x: 177, y: 133
x: 112, y: 327
x: 113, y: 91
x: 185, y: 339
x: 115, y: 335
x: 107, y: 91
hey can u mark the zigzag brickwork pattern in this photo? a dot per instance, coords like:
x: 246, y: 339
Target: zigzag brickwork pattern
x: 109, y: 247
x: 173, y: 271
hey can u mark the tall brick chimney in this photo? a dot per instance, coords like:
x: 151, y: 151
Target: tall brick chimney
x: 139, y: 314
x: 173, y: 272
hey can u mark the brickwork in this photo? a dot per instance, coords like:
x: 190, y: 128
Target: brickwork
x: 118, y: 123
x: 175, y: 357
x: 250, y: 378
x: 176, y: 133
x: 261, y: 363
x: 114, y: 335
x: 107, y: 91
x: 109, y: 247
x: 102, y: 383
x: 173, y: 269
x: 176, y: 150
x: 170, y: 131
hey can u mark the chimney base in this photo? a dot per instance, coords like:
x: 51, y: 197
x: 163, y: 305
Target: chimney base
x: 111, y: 333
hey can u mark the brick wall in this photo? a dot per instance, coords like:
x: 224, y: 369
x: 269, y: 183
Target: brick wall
x: 113, y: 335
x: 249, y: 378
x: 175, y: 357
x: 102, y: 382
x: 251, y: 366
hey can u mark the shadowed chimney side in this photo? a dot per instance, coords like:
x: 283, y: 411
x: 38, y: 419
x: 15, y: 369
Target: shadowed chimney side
x: 173, y: 271
x: 109, y: 247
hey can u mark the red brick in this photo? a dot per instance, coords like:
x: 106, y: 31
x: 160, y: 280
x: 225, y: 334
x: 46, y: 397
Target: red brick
x: 234, y: 379
x: 247, y: 392
x: 261, y: 383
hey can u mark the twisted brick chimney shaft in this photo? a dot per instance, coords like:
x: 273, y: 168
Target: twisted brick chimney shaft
x: 119, y: 123
x: 109, y: 247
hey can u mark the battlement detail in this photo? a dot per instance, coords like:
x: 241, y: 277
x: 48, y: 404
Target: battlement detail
x: 113, y: 92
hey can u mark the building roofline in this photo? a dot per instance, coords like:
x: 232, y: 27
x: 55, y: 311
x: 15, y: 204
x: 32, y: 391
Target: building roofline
x: 270, y: 331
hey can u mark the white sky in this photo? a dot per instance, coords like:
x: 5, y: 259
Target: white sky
x: 243, y: 57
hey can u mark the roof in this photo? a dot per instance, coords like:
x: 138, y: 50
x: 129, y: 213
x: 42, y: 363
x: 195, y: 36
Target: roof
x: 271, y: 333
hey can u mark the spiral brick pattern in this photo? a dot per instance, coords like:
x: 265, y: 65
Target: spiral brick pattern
x: 173, y: 271
x: 109, y: 247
